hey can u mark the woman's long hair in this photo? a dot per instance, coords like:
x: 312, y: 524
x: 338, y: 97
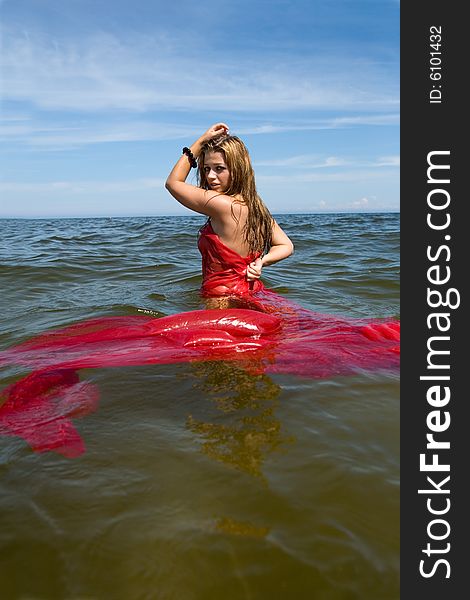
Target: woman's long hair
x: 259, y: 223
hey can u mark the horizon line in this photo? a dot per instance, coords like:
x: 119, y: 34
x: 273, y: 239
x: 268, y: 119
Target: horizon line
x: 151, y: 216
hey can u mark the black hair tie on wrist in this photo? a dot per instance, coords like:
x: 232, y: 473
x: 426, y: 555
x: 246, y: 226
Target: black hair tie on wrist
x: 190, y: 156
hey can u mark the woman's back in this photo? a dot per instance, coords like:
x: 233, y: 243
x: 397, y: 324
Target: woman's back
x: 224, y: 269
x: 226, y: 192
x: 230, y: 225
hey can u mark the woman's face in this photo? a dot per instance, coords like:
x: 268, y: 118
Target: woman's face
x: 216, y: 171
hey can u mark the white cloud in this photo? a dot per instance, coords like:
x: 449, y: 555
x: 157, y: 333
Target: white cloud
x: 140, y: 74
x: 82, y: 187
x: 306, y: 162
x: 40, y: 134
x: 66, y: 137
x: 310, y: 161
x: 371, y: 119
x: 361, y: 203
x: 388, y: 161
x: 149, y: 183
x: 348, y: 175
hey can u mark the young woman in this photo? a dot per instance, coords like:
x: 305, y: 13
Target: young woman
x: 240, y: 237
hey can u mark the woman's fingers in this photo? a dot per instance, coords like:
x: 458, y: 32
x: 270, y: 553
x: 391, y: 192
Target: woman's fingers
x: 217, y: 129
x: 253, y: 270
x: 218, y: 126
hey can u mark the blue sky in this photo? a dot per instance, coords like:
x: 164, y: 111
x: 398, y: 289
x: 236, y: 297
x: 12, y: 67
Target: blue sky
x: 98, y: 97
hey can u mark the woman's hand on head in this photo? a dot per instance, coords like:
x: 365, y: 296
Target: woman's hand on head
x: 253, y: 271
x: 215, y: 131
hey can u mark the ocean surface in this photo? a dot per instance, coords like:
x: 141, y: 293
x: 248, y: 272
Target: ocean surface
x: 200, y: 481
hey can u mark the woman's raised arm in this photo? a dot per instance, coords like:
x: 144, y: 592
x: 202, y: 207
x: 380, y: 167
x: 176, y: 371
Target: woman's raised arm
x: 188, y: 195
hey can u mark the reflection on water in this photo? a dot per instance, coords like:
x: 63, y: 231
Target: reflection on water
x: 233, y: 527
x: 223, y: 503
x: 246, y: 429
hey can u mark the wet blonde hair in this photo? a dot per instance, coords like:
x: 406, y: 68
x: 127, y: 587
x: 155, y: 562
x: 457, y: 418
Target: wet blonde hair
x: 259, y: 224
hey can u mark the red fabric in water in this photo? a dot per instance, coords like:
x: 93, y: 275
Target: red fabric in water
x: 223, y: 269
x: 39, y: 409
x: 273, y: 335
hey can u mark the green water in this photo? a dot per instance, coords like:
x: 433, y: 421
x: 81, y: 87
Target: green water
x: 200, y: 481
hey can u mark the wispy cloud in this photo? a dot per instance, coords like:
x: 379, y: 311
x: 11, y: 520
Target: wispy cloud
x: 40, y: 134
x: 82, y: 187
x: 117, y: 90
x: 140, y: 74
x: 388, y: 161
x: 306, y: 162
x: 381, y: 119
x: 92, y: 187
x: 346, y: 175
x: 44, y: 136
x: 361, y: 203
x: 303, y: 161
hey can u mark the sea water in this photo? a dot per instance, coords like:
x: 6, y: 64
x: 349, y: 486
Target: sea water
x: 201, y: 481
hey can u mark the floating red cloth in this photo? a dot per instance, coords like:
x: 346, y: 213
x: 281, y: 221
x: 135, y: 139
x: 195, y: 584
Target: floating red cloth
x: 223, y: 269
x: 272, y: 336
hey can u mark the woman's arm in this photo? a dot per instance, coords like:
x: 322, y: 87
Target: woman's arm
x: 281, y: 247
x: 189, y: 195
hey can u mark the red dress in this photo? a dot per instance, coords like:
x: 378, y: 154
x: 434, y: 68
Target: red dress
x: 223, y: 269
x: 266, y: 331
